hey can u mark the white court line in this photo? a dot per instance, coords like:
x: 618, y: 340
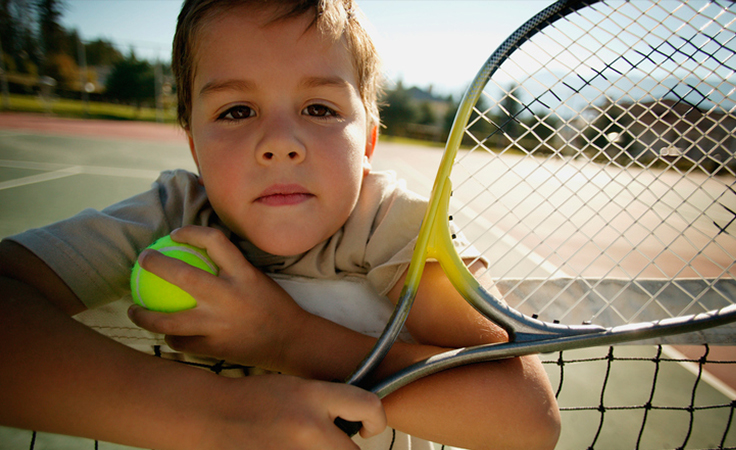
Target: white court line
x: 526, y: 252
x: 33, y: 165
x: 56, y: 171
x: 42, y: 177
x: 706, y: 376
x: 512, y: 243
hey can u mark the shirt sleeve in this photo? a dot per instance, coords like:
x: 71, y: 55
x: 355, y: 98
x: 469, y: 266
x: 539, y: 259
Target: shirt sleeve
x: 94, y: 251
x: 394, y: 235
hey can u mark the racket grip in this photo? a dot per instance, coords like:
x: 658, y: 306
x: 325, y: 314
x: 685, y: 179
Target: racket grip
x: 350, y: 428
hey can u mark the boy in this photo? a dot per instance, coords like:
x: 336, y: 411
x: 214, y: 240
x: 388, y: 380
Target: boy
x: 278, y: 101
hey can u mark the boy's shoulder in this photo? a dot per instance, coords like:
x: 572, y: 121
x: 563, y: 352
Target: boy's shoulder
x: 391, y: 200
x: 178, y: 177
x: 179, y: 190
x: 386, y: 183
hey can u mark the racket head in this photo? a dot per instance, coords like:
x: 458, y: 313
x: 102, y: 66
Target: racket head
x: 592, y: 164
x: 561, y: 175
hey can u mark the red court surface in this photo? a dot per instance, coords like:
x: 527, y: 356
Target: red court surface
x: 148, y: 131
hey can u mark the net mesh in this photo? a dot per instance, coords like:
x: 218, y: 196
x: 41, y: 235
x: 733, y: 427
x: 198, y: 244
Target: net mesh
x: 643, y: 397
x: 630, y: 397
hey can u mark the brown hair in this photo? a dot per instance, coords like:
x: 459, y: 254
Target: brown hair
x: 335, y: 18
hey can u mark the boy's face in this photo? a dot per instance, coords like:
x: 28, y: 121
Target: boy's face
x: 278, y: 130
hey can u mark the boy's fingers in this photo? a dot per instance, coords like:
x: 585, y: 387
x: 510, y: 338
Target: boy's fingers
x: 336, y: 438
x: 183, y: 323
x: 183, y: 329
x: 357, y: 405
x: 195, y: 345
x: 223, y: 252
x: 171, y: 269
x: 189, y: 278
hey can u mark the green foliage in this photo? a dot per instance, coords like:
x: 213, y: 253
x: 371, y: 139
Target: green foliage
x: 416, y: 114
x: 541, y: 133
x: 89, y: 110
x: 510, y: 124
x: 511, y: 107
x: 17, y: 35
x: 102, y: 53
x: 131, y: 81
x: 36, y: 45
x: 426, y: 115
x: 51, y: 32
x: 398, y: 111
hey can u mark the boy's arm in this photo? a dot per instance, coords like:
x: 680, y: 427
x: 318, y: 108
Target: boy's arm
x: 504, y: 404
x: 60, y: 376
x: 512, y: 399
x: 242, y: 315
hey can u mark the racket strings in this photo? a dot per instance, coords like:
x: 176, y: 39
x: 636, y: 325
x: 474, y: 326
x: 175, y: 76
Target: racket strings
x: 601, y: 150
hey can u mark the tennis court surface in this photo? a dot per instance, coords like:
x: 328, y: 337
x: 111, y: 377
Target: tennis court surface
x: 52, y: 168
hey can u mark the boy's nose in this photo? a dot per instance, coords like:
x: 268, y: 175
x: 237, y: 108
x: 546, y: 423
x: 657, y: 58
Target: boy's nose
x: 280, y: 144
x: 281, y: 155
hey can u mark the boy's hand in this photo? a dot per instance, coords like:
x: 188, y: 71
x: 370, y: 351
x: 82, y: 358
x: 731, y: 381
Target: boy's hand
x: 285, y: 412
x: 241, y: 315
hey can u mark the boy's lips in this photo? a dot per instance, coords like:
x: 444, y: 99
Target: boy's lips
x: 284, y: 195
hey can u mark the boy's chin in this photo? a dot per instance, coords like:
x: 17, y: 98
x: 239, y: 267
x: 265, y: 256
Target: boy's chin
x: 290, y: 238
x: 286, y: 248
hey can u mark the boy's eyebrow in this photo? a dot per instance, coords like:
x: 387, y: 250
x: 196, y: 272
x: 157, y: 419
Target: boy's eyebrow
x: 247, y: 85
x: 227, y: 85
x: 313, y: 82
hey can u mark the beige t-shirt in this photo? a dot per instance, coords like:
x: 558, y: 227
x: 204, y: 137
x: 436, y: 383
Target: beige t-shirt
x: 94, y: 251
x: 344, y: 278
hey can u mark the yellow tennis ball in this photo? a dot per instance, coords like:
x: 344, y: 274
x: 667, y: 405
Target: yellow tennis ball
x: 153, y: 292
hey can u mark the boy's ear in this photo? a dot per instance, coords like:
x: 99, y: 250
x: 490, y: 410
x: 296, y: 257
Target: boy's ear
x: 370, y: 144
x: 194, y: 154
x: 370, y: 147
x: 191, y: 148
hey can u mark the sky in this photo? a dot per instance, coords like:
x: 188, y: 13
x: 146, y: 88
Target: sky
x: 438, y: 43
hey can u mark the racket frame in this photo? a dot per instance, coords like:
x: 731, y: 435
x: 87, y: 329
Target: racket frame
x: 527, y: 335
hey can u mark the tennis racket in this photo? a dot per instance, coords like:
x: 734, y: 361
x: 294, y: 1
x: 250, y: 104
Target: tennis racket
x: 591, y: 163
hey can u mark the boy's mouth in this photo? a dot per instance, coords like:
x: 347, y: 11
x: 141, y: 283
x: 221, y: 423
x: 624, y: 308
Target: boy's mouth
x: 284, y: 195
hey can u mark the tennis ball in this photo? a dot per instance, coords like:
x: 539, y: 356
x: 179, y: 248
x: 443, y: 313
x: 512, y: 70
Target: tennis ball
x: 153, y: 292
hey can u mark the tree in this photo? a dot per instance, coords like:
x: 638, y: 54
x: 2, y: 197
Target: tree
x: 511, y: 107
x: 20, y: 46
x: 131, y: 81
x: 483, y: 125
x: 399, y: 110
x: 102, y: 53
x: 449, y: 117
x: 542, y: 134
x: 56, y: 61
x: 426, y: 114
x: 53, y: 37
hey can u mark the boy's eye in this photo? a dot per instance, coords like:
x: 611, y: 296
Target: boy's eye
x: 237, y: 113
x: 319, y: 111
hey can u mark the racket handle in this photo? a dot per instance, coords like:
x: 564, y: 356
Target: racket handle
x: 350, y: 428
